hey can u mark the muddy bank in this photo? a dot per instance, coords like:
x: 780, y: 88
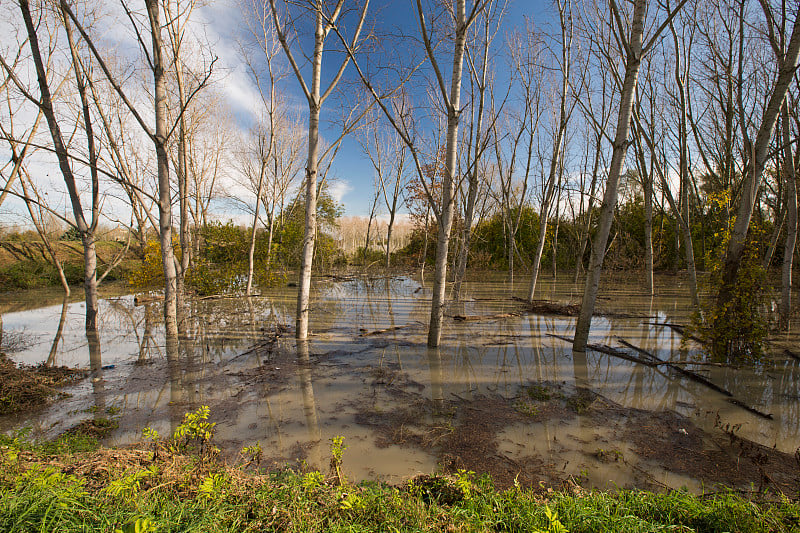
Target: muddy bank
x: 468, y: 433
x: 25, y: 388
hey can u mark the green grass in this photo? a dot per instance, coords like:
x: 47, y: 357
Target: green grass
x: 74, y: 485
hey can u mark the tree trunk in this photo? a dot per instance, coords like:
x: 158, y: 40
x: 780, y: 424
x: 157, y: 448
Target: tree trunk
x: 46, y: 105
x: 389, y: 236
x: 633, y: 63
x: 252, y: 249
x: 590, y: 205
x: 647, y: 184
x: 472, y: 194
x: 791, y: 223
x: 164, y: 196
x: 683, y: 141
x: 310, y: 235
x: 555, y: 230
x: 555, y: 161
x: 735, y: 249
x: 446, y: 217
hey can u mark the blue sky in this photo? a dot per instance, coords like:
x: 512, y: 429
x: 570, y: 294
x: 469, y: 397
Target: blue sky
x: 352, y: 172
x: 222, y: 25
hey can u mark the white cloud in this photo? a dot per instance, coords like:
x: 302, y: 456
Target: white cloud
x: 339, y: 189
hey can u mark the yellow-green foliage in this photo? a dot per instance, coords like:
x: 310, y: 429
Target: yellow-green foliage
x: 738, y: 329
x: 53, y: 486
x: 151, y: 271
x: 140, y: 525
x: 130, y: 482
x: 195, y: 430
x: 212, y: 487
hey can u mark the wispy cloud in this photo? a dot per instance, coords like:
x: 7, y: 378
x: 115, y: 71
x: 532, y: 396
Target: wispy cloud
x: 339, y: 189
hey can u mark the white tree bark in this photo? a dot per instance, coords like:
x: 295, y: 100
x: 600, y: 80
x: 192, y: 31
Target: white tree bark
x: 324, y: 23
x: 162, y: 158
x: 632, y: 64
x: 445, y: 221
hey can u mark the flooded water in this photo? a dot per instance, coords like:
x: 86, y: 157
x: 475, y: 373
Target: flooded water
x: 506, y: 395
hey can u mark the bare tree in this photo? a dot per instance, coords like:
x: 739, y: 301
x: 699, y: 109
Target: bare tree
x: 633, y: 49
x: 459, y: 23
x: 790, y: 178
x: 387, y: 155
x: 86, y: 227
x: 758, y: 153
x: 325, y: 20
x: 160, y: 135
x: 478, y: 138
x: 565, y: 112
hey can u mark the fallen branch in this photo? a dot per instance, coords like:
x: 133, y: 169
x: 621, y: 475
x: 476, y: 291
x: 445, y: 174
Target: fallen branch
x: 141, y: 299
x: 472, y: 318
x: 688, y: 373
x: 548, y: 307
x: 677, y: 328
x: 700, y: 379
x: 753, y: 410
x: 608, y: 350
x: 379, y: 331
x: 791, y: 354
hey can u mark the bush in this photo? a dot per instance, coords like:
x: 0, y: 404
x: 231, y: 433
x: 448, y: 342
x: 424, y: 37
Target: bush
x: 737, y: 331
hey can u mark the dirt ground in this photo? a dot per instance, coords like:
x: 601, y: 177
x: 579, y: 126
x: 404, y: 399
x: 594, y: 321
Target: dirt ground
x: 24, y: 388
x: 464, y: 435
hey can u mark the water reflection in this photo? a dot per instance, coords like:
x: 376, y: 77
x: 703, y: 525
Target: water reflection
x: 96, y: 367
x: 51, y: 357
x: 233, y: 355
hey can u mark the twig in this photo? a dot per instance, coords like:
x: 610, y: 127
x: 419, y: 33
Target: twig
x: 607, y: 350
x: 677, y: 328
x: 688, y: 373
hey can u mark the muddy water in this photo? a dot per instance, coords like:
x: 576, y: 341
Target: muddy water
x: 404, y: 409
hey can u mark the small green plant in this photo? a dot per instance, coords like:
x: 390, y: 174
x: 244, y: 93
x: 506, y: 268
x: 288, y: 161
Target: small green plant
x: 150, y: 434
x: 554, y: 525
x: 130, y: 483
x: 61, y: 490
x: 212, y: 487
x: 253, y: 454
x: 312, y: 480
x: 578, y: 403
x: 350, y: 501
x: 337, y: 451
x: 194, y: 431
x: 140, y: 525
x: 526, y: 408
x: 464, y: 482
x: 538, y: 393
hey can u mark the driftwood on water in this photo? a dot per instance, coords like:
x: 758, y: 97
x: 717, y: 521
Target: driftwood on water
x: 472, y: 318
x: 607, y: 350
x: 365, y: 333
x: 548, y: 307
x: 653, y: 361
x: 688, y: 373
x: 677, y: 328
x: 697, y: 378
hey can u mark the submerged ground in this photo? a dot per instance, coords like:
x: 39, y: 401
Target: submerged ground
x: 504, y: 394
